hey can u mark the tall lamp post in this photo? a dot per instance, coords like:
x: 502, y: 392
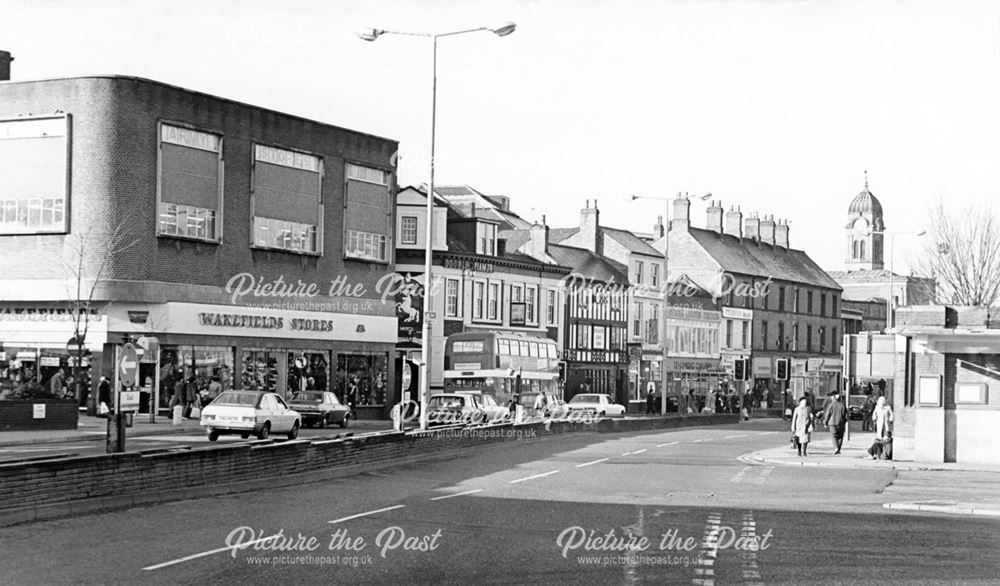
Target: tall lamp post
x: 890, y: 321
x: 666, y: 288
x: 372, y: 34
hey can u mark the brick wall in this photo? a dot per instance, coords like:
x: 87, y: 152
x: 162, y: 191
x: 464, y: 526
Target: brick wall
x: 39, y: 489
x: 19, y: 415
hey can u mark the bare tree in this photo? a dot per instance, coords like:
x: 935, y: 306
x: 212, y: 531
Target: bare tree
x: 963, y: 254
x: 88, y: 258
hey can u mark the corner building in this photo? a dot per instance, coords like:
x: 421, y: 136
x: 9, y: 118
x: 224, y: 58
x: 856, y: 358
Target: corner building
x: 251, y: 244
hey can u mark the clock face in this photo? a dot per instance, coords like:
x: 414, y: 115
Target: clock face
x: 860, y: 225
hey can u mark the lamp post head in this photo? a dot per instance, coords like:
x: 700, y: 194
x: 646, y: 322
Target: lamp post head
x: 369, y: 34
x: 504, y: 29
x: 921, y: 233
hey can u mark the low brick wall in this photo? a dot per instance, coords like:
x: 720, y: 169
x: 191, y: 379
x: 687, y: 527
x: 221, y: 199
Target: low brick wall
x: 39, y: 489
x: 19, y: 415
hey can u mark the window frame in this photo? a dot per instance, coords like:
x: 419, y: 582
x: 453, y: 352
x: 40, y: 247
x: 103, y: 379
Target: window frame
x: 219, y: 214
x: 403, y: 229
x: 382, y: 242
x: 318, y: 229
x: 448, y: 282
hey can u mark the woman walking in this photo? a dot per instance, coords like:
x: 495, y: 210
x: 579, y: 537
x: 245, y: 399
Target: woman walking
x: 802, y: 425
x: 881, y: 418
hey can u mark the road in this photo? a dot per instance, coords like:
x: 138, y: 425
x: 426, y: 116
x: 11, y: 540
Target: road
x: 563, y: 509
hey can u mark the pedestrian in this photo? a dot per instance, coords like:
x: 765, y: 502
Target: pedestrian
x: 56, y: 384
x: 802, y: 425
x: 104, y: 397
x: 650, y: 398
x: 835, y: 419
x: 882, y: 418
x: 214, y: 390
x: 540, y: 402
x: 190, y: 396
x: 749, y: 402
x: 866, y: 413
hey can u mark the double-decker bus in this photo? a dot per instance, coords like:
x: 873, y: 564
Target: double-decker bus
x: 501, y: 364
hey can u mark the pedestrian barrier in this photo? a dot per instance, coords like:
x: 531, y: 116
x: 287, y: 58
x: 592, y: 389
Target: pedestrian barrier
x: 42, y: 489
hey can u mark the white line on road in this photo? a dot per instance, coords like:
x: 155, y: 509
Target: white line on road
x: 592, y: 463
x: 666, y: 444
x: 633, y: 453
x: 535, y: 476
x: 639, y: 451
x: 366, y: 514
x: 735, y: 436
x: 698, y: 441
x: 448, y: 496
x: 212, y: 552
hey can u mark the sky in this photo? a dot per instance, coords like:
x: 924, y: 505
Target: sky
x: 776, y: 106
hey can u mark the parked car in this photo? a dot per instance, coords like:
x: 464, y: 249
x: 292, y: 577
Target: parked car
x: 320, y: 408
x: 453, y: 409
x: 601, y: 405
x: 495, y: 412
x: 856, y: 407
x: 249, y: 413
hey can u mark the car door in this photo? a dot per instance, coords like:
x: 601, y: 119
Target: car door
x: 282, y: 413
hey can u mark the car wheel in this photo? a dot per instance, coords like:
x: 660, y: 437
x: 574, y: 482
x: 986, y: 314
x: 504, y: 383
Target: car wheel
x: 213, y: 435
x: 264, y: 431
x: 322, y: 421
x: 295, y: 431
x: 343, y: 422
x: 245, y: 435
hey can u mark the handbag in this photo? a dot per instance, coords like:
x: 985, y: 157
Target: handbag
x: 102, y: 409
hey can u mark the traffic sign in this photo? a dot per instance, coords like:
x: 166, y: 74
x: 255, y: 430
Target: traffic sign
x: 406, y: 377
x: 128, y: 364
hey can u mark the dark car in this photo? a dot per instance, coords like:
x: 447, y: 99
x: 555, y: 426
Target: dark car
x: 320, y: 408
x: 856, y: 407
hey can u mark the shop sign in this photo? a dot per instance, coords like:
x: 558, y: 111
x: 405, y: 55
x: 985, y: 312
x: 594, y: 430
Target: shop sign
x: 46, y: 314
x: 468, y: 366
x: 26, y: 356
x: 129, y: 400
x: 762, y: 367
x: 49, y: 361
x: 635, y: 352
x: 468, y: 264
x: 737, y: 313
x: 38, y: 411
x: 798, y: 367
x: 692, y: 365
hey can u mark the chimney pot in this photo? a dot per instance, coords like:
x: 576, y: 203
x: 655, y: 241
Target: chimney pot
x: 5, y: 60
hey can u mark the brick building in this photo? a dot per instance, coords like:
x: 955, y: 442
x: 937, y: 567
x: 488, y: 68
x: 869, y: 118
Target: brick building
x: 251, y: 243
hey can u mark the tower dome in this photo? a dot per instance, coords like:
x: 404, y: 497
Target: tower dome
x: 865, y: 203
x: 865, y: 231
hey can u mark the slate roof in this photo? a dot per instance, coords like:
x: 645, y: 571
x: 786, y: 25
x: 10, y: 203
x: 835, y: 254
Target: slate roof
x: 515, y: 238
x: 751, y: 257
x: 631, y: 241
x: 557, y: 235
x: 869, y: 276
x: 589, y: 265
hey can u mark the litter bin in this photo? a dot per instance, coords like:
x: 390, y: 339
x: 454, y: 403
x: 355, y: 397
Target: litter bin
x: 128, y: 418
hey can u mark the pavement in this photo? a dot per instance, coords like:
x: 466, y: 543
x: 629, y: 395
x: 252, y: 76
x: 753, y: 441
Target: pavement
x: 968, y: 489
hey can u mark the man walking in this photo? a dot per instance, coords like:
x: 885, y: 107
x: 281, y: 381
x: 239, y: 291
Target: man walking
x: 836, y: 420
x: 650, y: 398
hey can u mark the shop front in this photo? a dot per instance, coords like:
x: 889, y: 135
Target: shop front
x: 816, y: 376
x: 257, y: 349
x: 701, y: 375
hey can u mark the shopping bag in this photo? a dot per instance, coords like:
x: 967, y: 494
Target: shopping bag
x: 178, y: 415
x: 196, y: 412
x: 102, y: 409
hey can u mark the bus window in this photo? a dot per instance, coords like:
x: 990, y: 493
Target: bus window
x: 504, y: 346
x: 533, y: 349
x: 467, y: 346
x: 552, y: 350
x: 523, y: 346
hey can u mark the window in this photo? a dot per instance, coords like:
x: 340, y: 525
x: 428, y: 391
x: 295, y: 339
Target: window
x: 583, y: 333
x: 809, y: 302
x: 834, y: 312
x: 822, y: 304
x: 408, y: 230
x: 795, y: 301
x: 367, y: 213
x: 486, y: 240
x: 862, y: 254
x: 637, y: 265
x: 834, y: 341
x: 189, y: 195
x: 795, y: 337
x: 809, y: 338
x: 781, y: 298
x: 551, y: 303
x: 493, y: 302
x: 653, y: 325
x: 822, y: 340
x: 33, y: 175
x: 763, y: 335
x: 637, y: 319
x: 729, y: 333
x: 654, y: 275
x: 451, y: 297
x: 287, y: 204
x: 747, y: 299
x: 478, y: 299
x: 746, y: 334
x: 531, y: 304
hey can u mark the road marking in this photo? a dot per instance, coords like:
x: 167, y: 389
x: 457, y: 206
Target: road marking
x: 698, y: 441
x: 709, y: 551
x: 751, y: 569
x: 592, y: 463
x: 535, y: 476
x: 739, y: 475
x: 633, y: 453
x: 366, y: 514
x: 666, y: 444
x: 448, y: 496
x: 211, y: 552
x: 735, y: 436
x: 639, y: 451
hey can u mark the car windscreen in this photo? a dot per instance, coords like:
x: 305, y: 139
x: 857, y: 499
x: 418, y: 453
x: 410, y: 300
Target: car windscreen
x: 444, y: 402
x: 585, y: 399
x: 238, y: 399
x: 307, y: 398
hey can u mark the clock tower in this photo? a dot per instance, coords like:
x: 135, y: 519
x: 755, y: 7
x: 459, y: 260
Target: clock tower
x: 865, y: 232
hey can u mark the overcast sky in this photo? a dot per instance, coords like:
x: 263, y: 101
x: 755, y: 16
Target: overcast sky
x: 776, y: 106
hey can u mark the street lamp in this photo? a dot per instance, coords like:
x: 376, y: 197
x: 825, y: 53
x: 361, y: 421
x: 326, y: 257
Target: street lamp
x: 370, y: 34
x: 889, y: 318
x: 666, y: 288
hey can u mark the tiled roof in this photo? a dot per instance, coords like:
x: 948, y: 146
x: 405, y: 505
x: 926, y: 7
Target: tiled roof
x: 587, y: 264
x: 751, y: 257
x: 631, y: 241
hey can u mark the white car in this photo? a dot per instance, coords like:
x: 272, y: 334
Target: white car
x: 495, y: 412
x: 600, y: 405
x: 250, y: 413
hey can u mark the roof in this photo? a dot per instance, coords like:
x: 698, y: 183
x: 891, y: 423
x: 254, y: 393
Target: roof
x: 865, y: 203
x: 588, y: 264
x: 870, y: 276
x: 515, y: 238
x: 557, y: 235
x: 630, y: 241
x: 752, y: 257
x: 422, y: 190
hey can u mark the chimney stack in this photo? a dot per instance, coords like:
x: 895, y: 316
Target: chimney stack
x: 714, y: 221
x: 767, y: 230
x: 590, y: 229
x: 751, y: 227
x: 658, y: 228
x: 682, y: 214
x: 538, y: 244
x: 5, y: 60
x: 781, y: 234
x: 734, y: 222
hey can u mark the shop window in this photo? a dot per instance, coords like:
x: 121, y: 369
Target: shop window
x: 307, y: 371
x: 189, y: 198
x: 287, y: 202
x: 33, y: 176
x: 367, y: 214
x: 204, y: 363
x: 262, y: 370
x: 361, y: 378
